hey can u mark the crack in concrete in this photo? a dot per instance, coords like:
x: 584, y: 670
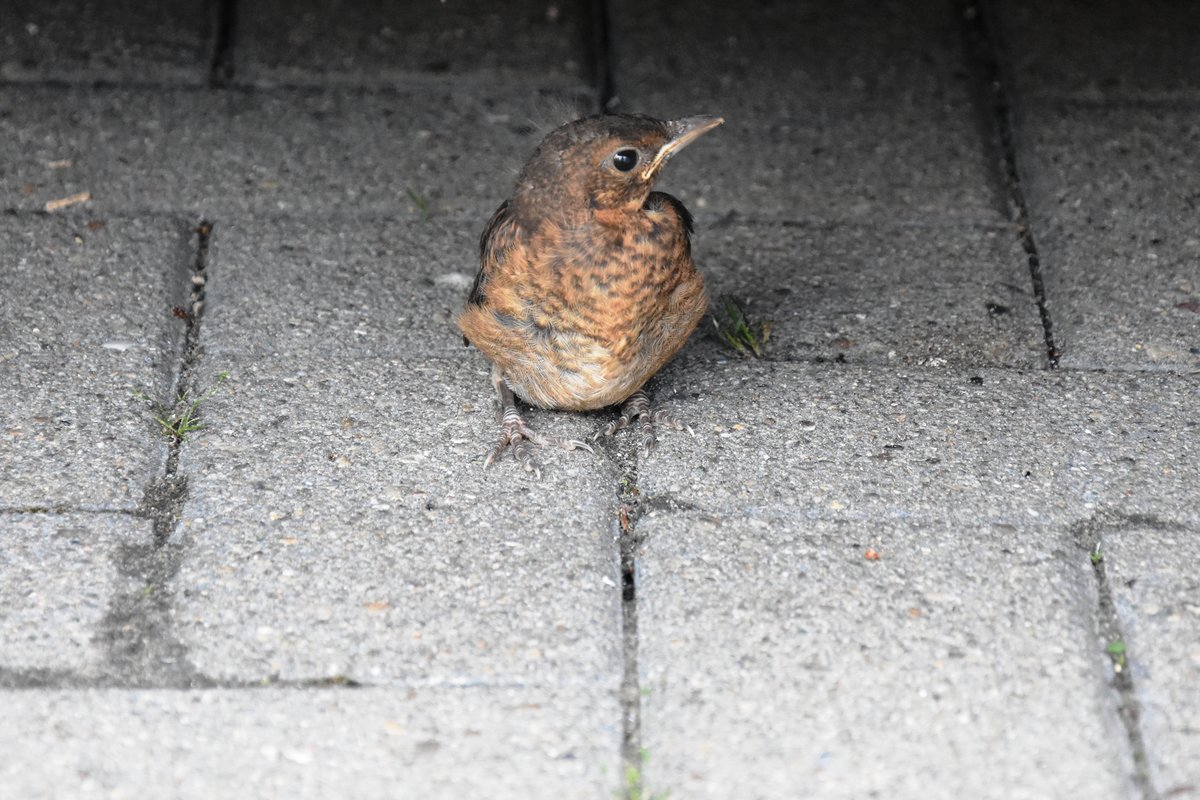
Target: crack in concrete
x: 44, y: 678
x: 984, y: 46
x: 628, y: 541
x: 136, y: 632
x: 220, y: 69
x: 1089, y: 536
x: 600, y: 54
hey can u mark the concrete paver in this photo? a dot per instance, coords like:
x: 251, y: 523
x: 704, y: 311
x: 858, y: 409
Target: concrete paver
x: 511, y: 743
x: 1112, y: 197
x: 1159, y: 608
x: 839, y: 677
x: 1102, y: 51
x: 979, y: 612
x: 58, y: 574
x: 354, y: 288
x: 880, y: 294
x: 169, y: 41
x: 86, y: 324
x: 1025, y: 450
x: 538, y: 43
x: 308, y: 153
x: 333, y: 495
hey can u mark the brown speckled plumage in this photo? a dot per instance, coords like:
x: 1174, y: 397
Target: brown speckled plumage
x: 586, y: 285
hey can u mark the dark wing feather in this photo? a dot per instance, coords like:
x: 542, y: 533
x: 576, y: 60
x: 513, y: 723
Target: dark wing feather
x: 497, y: 238
x: 657, y: 200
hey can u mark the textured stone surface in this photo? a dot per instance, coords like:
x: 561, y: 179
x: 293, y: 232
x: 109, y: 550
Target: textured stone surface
x: 58, y: 574
x: 86, y: 324
x: 1102, y: 51
x: 1158, y: 606
x: 875, y: 293
x: 340, y: 523
x: 510, y: 743
x: 840, y: 677
x: 867, y: 563
x: 168, y: 41
x: 988, y: 447
x: 352, y: 288
x: 543, y: 44
x: 226, y: 153
x: 1114, y: 203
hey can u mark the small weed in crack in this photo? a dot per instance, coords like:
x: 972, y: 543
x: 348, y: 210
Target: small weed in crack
x: 183, y: 417
x: 738, y: 331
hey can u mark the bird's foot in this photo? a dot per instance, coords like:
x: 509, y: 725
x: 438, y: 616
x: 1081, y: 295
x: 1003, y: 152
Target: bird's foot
x: 518, y: 436
x: 637, y: 411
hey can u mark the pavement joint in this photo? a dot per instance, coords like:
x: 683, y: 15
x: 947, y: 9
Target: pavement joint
x: 136, y: 631
x: 628, y: 543
x: 624, y: 452
x: 601, y: 55
x: 1089, y: 534
x: 983, y: 38
x: 221, y: 68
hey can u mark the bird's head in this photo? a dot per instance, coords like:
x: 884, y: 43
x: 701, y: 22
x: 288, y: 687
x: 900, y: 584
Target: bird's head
x: 602, y: 163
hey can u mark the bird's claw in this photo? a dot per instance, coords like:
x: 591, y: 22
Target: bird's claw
x: 637, y: 409
x: 518, y: 436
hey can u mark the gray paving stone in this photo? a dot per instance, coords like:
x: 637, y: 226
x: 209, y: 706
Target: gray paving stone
x: 777, y: 662
x: 971, y: 640
x: 62, y: 40
x: 1158, y: 605
x: 967, y: 449
x: 1113, y: 199
x: 86, y: 323
x: 1102, y: 51
x: 880, y: 294
x: 367, y: 743
x: 75, y: 435
x: 347, y: 287
x: 364, y: 43
x: 222, y: 154
x: 73, y: 283
x: 58, y: 573
x: 340, y: 523
x: 866, y: 113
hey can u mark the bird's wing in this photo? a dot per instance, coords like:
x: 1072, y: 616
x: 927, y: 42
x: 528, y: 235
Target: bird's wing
x: 498, y: 238
x: 661, y: 200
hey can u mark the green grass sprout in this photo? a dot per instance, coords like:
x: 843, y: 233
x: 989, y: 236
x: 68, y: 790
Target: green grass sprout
x: 738, y: 331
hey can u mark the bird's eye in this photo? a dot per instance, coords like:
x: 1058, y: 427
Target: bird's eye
x: 625, y: 160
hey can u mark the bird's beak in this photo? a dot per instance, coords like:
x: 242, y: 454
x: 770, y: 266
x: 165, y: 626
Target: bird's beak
x: 683, y: 132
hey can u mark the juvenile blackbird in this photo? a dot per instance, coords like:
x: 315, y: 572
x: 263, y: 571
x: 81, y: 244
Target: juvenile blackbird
x: 586, y: 284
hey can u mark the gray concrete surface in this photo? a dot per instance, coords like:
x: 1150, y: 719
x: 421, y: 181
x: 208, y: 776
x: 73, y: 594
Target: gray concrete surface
x: 1157, y: 604
x: 879, y: 294
x: 63, y: 40
x: 841, y: 677
x: 353, y: 288
x: 87, y: 325
x: 547, y: 44
x: 368, y: 743
x: 225, y: 154
x: 57, y: 577
x: 933, y: 544
x: 343, y: 506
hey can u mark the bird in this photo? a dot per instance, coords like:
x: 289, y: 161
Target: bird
x: 586, y: 283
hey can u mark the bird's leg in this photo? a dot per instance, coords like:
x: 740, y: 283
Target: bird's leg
x: 637, y: 410
x: 516, y: 434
